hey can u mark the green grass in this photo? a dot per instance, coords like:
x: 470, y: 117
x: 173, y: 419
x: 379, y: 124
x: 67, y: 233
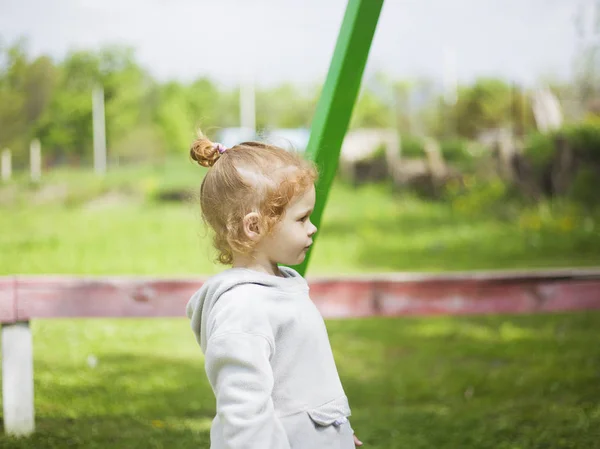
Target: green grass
x: 512, y: 382
x: 77, y: 223
x: 519, y: 382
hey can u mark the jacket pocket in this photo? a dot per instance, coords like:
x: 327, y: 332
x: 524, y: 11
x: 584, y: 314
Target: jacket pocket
x: 334, y: 412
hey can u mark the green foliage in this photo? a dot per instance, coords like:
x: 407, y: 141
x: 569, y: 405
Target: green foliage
x: 585, y: 187
x: 75, y: 223
x: 412, y: 147
x: 25, y: 91
x: 490, y: 103
x: 285, y: 106
x: 139, y: 143
x: 174, y: 119
x: 370, y: 112
x: 456, y: 152
x: 584, y: 139
x: 52, y: 101
x: 539, y: 150
x: 474, y: 195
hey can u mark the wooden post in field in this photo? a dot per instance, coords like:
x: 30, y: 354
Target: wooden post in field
x: 6, y: 165
x: 248, y: 106
x: 17, y: 379
x: 99, y: 129
x: 35, y: 160
x: 435, y: 159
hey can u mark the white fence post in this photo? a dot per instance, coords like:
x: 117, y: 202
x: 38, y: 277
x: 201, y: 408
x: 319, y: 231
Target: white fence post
x: 17, y: 378
x: 248, y: 107
x: 6, y: 165
x: 35, y: 160
x: 99, y: 130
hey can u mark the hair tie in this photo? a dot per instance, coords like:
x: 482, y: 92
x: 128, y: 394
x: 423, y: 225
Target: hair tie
x: 220, y: 148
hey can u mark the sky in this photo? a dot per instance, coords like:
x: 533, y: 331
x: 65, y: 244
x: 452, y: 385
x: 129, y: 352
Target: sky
x: 276, y: 41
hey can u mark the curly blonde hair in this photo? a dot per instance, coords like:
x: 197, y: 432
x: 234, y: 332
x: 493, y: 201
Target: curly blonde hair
x: 249, y: 177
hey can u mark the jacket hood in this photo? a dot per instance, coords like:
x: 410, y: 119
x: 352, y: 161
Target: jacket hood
x: 202, y: 302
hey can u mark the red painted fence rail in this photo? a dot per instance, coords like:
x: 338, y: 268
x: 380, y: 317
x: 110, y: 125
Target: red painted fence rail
x: 23, y: 298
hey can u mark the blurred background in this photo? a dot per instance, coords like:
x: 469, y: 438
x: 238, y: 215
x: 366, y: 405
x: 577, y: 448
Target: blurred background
x: 474, y: 145
x: 477, y: 124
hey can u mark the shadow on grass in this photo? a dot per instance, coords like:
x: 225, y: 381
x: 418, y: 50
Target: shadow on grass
x: 101, y: 432
x: 473, y: 382
x: 128, y: 401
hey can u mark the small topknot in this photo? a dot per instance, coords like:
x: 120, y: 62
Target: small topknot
x: 204, y: 152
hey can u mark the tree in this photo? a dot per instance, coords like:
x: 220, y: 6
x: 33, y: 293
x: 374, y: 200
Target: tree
x: 587, y: 61
x: 489, y: 103
x: 12, y: 99
x: 25, y: 91
x: 174, y: 117
x: 66, y: 127
x: 371, y: 112
x: 285, y: 106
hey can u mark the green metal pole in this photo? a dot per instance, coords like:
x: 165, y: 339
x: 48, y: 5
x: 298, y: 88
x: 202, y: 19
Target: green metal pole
x: 340, y: 90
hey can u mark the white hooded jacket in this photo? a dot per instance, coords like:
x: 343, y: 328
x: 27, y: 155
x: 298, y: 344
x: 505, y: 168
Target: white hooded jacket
x: 269, y: 362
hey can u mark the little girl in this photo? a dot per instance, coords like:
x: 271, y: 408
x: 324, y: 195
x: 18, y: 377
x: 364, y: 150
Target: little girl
x: 267, y: 352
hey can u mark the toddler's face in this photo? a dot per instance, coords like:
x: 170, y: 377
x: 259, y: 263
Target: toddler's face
x: 291, y: 237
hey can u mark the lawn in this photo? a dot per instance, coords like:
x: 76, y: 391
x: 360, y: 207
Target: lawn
x: 77, y: 223
x: 511, y: 382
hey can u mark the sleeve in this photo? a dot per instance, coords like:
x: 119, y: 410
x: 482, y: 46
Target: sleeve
x: 239, y: 369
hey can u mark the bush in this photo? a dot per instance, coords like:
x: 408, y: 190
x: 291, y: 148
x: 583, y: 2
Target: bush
x: 412, y: 147
x: 584, y: 189
x: 584, y: 138
x: 456, y: 152
x: 542, y: 152
x: 476, y: 196
x: 539, y: 151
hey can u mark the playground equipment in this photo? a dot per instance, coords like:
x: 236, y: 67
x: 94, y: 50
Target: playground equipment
x: 335, y: 105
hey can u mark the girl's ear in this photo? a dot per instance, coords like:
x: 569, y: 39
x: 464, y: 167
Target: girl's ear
x: 252, y: 227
